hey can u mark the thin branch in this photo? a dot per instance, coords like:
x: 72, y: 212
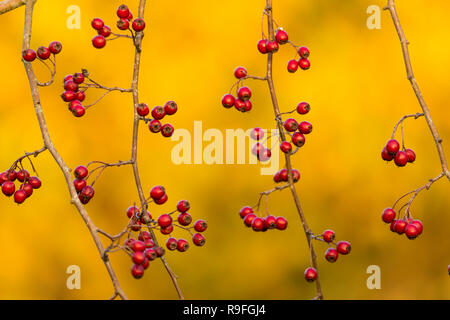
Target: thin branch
x: 400, y: 122
x: 410, y: 75
x: 9, y: 5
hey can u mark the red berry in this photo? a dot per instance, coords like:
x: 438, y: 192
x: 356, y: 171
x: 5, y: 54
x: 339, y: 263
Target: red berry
x: 142, y: 109
x: 123, y: 11
x: 55, y: 47
x: 304, y: 64
x: 70, y: 86
x: 150, y: 254
x: 305, y: 127
x: 239, y: 105
x: 385, y: 155
x: 86, y: 194
x: 164, y: 220
x: 27, y: 188
x: 97, y: 23
x: 129, y: 242
x: 400, y: 226
x: 105, y: 31
x: 22, y: 175
x: 303, y: 108
x: 292, y: 66
x: 295, y: 175
x: 272, y: 46
x: 29, y: 55
x: 411, y: 155
x: 228, y: 101
x: 303, y: 52
x: 74, y: 103
x: 240, y: 72
x: 80, y: 95
x: 146, y: 218
x: 262, y: 46
x: 183, y: 206
x: 184, y: 218
x: 171, y: 244
x: 35, y: 182
x: 144, y: 235
x: 257, y: 149
x: 160, y: 251
x: 79, y: 184
x: 331, y: 255
x: 80, y: 172
x: 343, y: 247
x: 138, y: 24
x: 392, y: 225
x: 248, y: 106
x: 281, y: 36
x: 149, y: 243
x: 198, y: 239
x: 276, y: 177
x: 68, y: 96
x: 78, y: 110
x: 388, y: 215
x: 99, y: 41
x: 158, y: 112
x: 401, y: 159
x: 138, y: 257
x: 200, y: 225
x: 328, y: 236
x: 392, y: 146
x: 290, y: 125
x: 154, y: 126
x: 418, y: 224
x: 298, y: 139
x: 257, y: 134
x: 281, y: 223
x: 286, y: 147
x: 8, y: 188
x: 248, y: 219
x: 411, y: 231
x: 138, y: 246
x: 310, y: 274
x: 167, y: 230
x: 132, y: 211
x: 244, y: 93
x: 137, y: 270
x: 258, y: 224
x: 123, y: 24
x: 245, y: 211
x: 167, y: 130
x: 264, y: 155
x: 69, y: 77
x: 146, y: 263
x: 170, y: 107
x: 20, y: 196
x: 270, y: 222
x: 78, y: 78
x: 157, y: 192
x: 182, y: 245
x: 43, y: 53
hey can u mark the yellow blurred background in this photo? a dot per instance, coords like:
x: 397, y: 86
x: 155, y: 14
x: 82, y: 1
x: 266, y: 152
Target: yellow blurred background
x: 357, y: 88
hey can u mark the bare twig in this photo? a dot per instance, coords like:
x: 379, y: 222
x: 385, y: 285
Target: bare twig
x: 9, y: 5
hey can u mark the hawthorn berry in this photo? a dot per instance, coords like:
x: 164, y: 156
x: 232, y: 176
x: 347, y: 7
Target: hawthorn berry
x: 22, y: 175
x: 157, y: 192
x: 80, y: 172
x: 97, y: 23
x: 150, y: 254
x: 411, y: 155
x: 170, y: 107
x: 411, y: 231
x: 171, y: 244
x: 262, y: 46
x: 272, y: 46
x: 257, y: 149
x: 68, y: 96
x: 286, y: 147
x: 146, y: 218
x: 183, y: 206
x: 418, y: 224
x: 328, y: 236
x: 295, y: 175
x: 29, y: 55
x: 298, y: 139
x: 146, y: 263
x: 129, y: 242
x: 392, y: 146
x: 80, y: 95
x: 257, y: 134
x: 310, y: 274
x: 132, y: 211
x: 240, y: 105
x: 200, y: 225
x: 343, y: 247
x: 401, y: 159
x: 99, y: 41
x: 138, y: 246
x: 138, y: 257
x: 292, y: 66
x: 142, y: 109
x: 385, y: 155
x: 78, y: 78
x: 8, y: 188
x: 70, y: 86
x: 290, y: 124
x: 27, y: 188
x: 149, y: 243
x: 105, y: 32
x: 305, y: 127
x: 78, y: 110
x: 399, y: 226
x: 304, y: 64
x: 240, y: 72
x: 86, y: 194
x: 198, y: 239
x: 167, y: 230
x: 388, y: 215
x: 159, y: 251
x: 270, y: 222
x: 331, y: 255
x: 69, y: 77
x: 281, y: 36
x: 162, y: 200
x: 137, y: 270
x: 264, y: 155
x: 35, y: 182
x: 158, y: 112
x: 228, y: 101
x: 248, y: 106
x: 43, y: 53
x: 167, y: 130
x: 257, y: 224
x: 244, y: 93
x: 123, y: 11
x: 154, y: 125
x: 138, y: 24
x: 55, y: 47
x: 184, y: 218
x: 164, y: 220
x: 245, y: 211
x: 20, y: 196
x: 392, y: 225
x: 248, y: 219
x: 123, y: 24
x: 79, y: 184
x: 182, y: 245
x: 303, y: 52
x: 281, y: 223
x: 144, y: 235
x: 303, y: 108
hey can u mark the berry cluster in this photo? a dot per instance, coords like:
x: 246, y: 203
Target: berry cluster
x: 42, y: 53
x: 27, y: 184
x: 85, y: 192
x: 158, y: 113
x: 261, y: 223
x: 406, y: 225
x: 144, y: 248
x: 73, y: 94
x: 401, y: 157
x: 243, y: 94
x: 104, y: 31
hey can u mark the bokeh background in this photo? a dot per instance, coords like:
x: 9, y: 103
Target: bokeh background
x: 357, y: 88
